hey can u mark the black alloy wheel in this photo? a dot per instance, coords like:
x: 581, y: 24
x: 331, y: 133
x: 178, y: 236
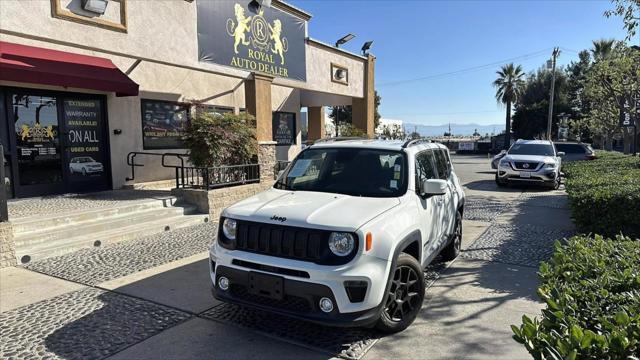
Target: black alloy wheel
x: 404, y: 296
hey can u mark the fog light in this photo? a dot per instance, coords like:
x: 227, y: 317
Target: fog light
x: 326, y: 305
x: 223, y: 283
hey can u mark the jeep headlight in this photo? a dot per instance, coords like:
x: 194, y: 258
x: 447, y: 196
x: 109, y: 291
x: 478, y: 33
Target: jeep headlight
x: 229, y: 228
x: 504, y: 163
x: 550, y: 165
x: 341, y: 244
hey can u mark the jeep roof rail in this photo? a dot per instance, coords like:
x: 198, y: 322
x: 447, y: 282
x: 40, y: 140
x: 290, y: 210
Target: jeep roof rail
x: 412, y: 142
x: 338, y: 138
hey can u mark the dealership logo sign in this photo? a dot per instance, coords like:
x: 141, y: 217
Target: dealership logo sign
x: 264, y: 41
x: 36, y: 133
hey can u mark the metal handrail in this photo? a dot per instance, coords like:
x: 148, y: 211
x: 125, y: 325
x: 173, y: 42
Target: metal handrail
x: 131, y: 157
x: 4, y: 211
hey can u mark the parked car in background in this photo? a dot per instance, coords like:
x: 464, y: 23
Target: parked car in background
x: 496, y: 159
x: 574, y: 151
x: 343, y: 236
x: 532, y: 162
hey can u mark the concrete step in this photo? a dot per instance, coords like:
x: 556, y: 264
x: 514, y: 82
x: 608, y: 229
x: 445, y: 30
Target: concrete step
x: 99, y: 224
x: 153, y: 185
x: 58, y: 220
x: 39, y: 251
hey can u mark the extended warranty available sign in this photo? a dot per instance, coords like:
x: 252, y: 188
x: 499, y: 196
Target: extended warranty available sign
x: 264, y: 42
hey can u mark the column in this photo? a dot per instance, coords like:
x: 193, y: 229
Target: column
x: 364, y: 108
x: 315, y: 122
x: 257, y: 92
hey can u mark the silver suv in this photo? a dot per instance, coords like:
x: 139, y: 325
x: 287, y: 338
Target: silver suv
x: 530, y: 161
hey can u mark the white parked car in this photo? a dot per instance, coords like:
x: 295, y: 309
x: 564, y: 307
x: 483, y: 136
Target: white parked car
x: 343, y: 236
x: 85, y: 165
x: 532, y: 162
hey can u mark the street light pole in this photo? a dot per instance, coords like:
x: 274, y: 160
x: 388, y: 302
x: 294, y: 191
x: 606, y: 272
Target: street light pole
x: 556, y: 52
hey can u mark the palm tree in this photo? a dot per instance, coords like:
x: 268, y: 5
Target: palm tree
x: 509, y: 87
x: 602, y: 48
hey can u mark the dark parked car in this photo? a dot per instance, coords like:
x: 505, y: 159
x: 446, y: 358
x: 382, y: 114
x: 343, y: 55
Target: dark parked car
x: 575, y: 151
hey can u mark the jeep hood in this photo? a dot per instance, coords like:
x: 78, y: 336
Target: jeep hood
x: 310, y: 209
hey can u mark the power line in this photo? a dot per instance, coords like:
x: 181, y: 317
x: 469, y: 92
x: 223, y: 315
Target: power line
x: 474, y: 68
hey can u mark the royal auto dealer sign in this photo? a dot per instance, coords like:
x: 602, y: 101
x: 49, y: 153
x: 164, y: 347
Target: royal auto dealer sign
x: 265, y: 39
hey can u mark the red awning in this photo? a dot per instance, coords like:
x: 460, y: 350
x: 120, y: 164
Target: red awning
x: 36, y: 65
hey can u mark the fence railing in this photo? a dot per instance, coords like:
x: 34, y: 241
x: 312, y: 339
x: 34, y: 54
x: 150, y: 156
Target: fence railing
x: 4, y: 212
x: 201, y: 177
x: 220, y: 176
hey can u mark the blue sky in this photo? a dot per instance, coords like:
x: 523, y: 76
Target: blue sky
x: 415, y: 39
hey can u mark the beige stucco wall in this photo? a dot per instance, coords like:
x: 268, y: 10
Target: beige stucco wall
x: 163, y: 31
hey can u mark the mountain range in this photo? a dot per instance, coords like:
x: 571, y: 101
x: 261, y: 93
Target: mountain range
x: 456, y: 129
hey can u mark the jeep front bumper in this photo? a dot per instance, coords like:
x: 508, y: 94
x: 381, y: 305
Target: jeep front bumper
x: 302, y: 285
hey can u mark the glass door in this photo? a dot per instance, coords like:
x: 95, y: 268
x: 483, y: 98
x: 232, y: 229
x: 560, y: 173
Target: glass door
x: 37, y: 144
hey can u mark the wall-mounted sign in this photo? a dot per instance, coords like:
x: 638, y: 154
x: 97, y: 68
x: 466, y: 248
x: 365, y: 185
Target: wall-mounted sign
x: 163, y: 124
x: 626, y: 117
x: 265, y: 40
x: 284, y: 128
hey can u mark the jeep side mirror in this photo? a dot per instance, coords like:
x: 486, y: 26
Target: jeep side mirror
x: 431, y: 187
x: 561, y: 153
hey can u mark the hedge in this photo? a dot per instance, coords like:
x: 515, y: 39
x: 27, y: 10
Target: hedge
x: 591, y: 287
x: 604, y: 194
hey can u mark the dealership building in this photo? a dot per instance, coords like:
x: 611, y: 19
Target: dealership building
x: 83, y: 84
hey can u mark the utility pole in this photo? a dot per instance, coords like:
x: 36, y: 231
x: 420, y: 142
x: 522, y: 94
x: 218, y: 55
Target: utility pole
x: 555, y: 54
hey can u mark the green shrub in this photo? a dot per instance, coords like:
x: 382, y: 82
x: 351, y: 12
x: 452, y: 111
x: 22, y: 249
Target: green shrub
x: 605, y: 194
x: 215, y: 140
x: 591, y: 288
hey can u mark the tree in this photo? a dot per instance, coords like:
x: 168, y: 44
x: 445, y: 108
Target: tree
x: 532, y: 108
x: 215, y: 140
x: 509, y: 86
x: 376, y: 114
x: 602, y: 49
x: 629, y: 10
x: 348, y: 130
x: 608, y: 84
x: 393, y: 132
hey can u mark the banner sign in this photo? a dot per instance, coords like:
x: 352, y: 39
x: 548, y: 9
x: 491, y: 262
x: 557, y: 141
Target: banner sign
x: 163, y: 124
x: 284, y: 128
x: 626, y: 119
x: 83, y: 119
x: 264, y: 40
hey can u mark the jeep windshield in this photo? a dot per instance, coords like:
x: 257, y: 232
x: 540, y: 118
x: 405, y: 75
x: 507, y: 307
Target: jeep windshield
x: 532, y: 149
x: 350, y: 171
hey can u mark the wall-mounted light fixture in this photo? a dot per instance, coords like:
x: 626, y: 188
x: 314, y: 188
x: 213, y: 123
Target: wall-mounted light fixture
x: 117, y: 131
x: 366, y: 47
x: 343, y: 40
x: 95, y: 6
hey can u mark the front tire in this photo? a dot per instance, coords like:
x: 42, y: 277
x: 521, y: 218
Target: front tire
x: 453, y: 249
x: 499, y: 182
x: 404, y: 297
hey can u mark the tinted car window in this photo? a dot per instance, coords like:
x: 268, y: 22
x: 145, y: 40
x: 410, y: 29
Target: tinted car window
x: 441, y: 163
x: 571, y: 148
x: 424, y: 167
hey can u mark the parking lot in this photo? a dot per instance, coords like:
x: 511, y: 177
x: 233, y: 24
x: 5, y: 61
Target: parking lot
x: 150, y: 298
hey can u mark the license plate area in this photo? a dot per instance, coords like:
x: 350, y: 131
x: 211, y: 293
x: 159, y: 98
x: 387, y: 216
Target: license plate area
x: 264, y: 285
x: 525, y: 174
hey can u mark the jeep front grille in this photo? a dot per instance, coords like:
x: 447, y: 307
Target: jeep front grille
x: 288, y: 242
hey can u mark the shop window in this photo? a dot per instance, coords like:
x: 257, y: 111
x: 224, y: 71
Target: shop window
x: 163, y: 124
x: 218, y: 110
x: 284, y: 128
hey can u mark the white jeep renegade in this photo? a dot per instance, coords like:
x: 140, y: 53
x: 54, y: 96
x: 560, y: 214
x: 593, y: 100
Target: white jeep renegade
x: 343, y: 236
